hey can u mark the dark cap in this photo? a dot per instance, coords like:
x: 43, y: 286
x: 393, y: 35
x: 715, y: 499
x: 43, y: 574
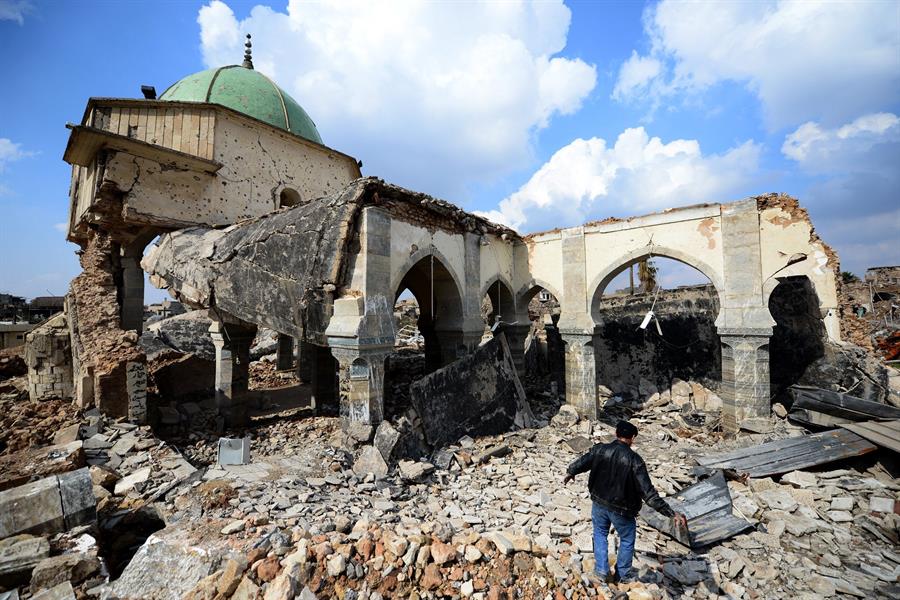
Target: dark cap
x: 624, y: 429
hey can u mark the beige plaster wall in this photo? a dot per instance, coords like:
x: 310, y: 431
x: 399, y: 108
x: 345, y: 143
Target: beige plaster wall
x: 258, y: 162
x: 783, y: 235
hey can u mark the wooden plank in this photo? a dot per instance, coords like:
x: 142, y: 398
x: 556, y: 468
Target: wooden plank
x: 142, y: 125
x: 193, y: 131
x: 211, y: 136
x: 134, y: 119
x: 202, y: 141
x: 176, y: 130
x: 125, y: 114
x: 114, y: 116
x: 168, y: 126
x: 152, y: 115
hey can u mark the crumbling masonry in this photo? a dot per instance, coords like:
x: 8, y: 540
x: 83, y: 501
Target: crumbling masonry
x: 262, y: 225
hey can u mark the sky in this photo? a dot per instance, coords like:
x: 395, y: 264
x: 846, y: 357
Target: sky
x: 538, y: 115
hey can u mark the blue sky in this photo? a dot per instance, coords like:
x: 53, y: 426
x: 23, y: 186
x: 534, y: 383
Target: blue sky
x: 539, y: 115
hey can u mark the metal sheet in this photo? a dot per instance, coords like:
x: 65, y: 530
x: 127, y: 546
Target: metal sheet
x: 843, y: 406
x: 884, y: 433
x: 782, y: 456
x: 707, y: 506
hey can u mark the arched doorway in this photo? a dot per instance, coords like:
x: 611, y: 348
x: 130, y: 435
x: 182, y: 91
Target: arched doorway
x: 674, y: 354
x: 439, y: 303
x: 798, y: 338
x: 544, y: 353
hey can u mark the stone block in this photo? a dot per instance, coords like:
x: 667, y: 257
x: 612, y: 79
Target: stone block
x: 49, y: 505
x: 479, y: 394
x: 19, y: 554
x: 63, y: 591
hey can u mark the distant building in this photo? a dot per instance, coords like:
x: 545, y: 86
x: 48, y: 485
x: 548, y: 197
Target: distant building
x: 13, y: 334
x: 165, y: 309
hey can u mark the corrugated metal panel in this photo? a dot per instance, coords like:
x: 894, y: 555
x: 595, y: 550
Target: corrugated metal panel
x: 782, y: 456
x: 884, y: 433
x: 707, y: 506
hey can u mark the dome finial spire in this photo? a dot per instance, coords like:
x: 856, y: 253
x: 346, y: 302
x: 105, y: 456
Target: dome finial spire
x: 248, y: 59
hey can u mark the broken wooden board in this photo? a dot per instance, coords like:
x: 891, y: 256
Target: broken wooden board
x: 791, y: 454
x: 884, y: 433
x: 707, y: 506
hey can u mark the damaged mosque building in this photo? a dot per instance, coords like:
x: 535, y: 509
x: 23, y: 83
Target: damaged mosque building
x: 261, y: 224
x: 446, y: 369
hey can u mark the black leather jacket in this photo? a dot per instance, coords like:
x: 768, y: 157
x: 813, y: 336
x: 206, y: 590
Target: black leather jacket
x: 619, y: 479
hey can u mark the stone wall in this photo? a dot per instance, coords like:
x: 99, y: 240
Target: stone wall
x: 48, y: 354
x: 109, y: 365
x: 688, y: 349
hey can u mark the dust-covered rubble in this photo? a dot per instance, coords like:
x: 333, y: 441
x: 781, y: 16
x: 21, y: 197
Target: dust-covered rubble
x: 482, y: 518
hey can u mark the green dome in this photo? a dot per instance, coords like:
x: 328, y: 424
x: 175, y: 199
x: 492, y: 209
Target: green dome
x: 248, y: 92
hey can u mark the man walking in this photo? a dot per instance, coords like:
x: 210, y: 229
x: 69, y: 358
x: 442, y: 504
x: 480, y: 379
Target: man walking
x: 618, y: 483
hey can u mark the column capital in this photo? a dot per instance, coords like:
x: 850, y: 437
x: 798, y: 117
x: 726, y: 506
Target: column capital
x: 744, y: 336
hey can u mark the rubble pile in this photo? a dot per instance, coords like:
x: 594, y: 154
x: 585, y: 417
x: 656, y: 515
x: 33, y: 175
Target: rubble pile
x: 480, y: 518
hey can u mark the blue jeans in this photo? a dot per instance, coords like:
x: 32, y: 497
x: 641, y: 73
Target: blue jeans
x: 626, y: 528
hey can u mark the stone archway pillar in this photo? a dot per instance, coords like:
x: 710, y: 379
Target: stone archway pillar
x: 284, y: 353
x: 516, y: 336
x: 361, y: 385
x: 232, y: 343
x: 581, y: 373
x: 132, y: 288
x: 745, y: 375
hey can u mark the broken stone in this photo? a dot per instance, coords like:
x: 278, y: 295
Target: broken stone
x: 63, y: 591
x: 67, y: 435
x: 74, y: 568
x: 800, y: 479
x: 19, y: 554
x: 183, y: 554
x: 579, y: 444
x: 386, y: 438
x: 777, y: 499
x: 414, y: 470
x: 566, y: 417
x: 882, y: 505
x: 126, y: 484
x: 370, y: 461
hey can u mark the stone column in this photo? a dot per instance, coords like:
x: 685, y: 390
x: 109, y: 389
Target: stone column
x: 361, y: 384
x: 132, y: 305
x: 515, y: 337
x: 745, y: 375
x: 284, y: 357
x: 454, y: 345
x: 232, y: 343
x: 323, y: 377
x: 581, y: 373
x: 304, y: 358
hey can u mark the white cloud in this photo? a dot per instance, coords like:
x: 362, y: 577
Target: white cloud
x: 14, y: 10
x: 11, y: 151
x: 431, y: 95
x: 849, y: 147
x: 638, y: 174
x: 828, y: 61
x: 636, y: 75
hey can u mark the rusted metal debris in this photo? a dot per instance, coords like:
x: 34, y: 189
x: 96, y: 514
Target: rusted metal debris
x: 707, y: 506
x: 826, y: 408
x: 791, y: 454
x: 884, y: 433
